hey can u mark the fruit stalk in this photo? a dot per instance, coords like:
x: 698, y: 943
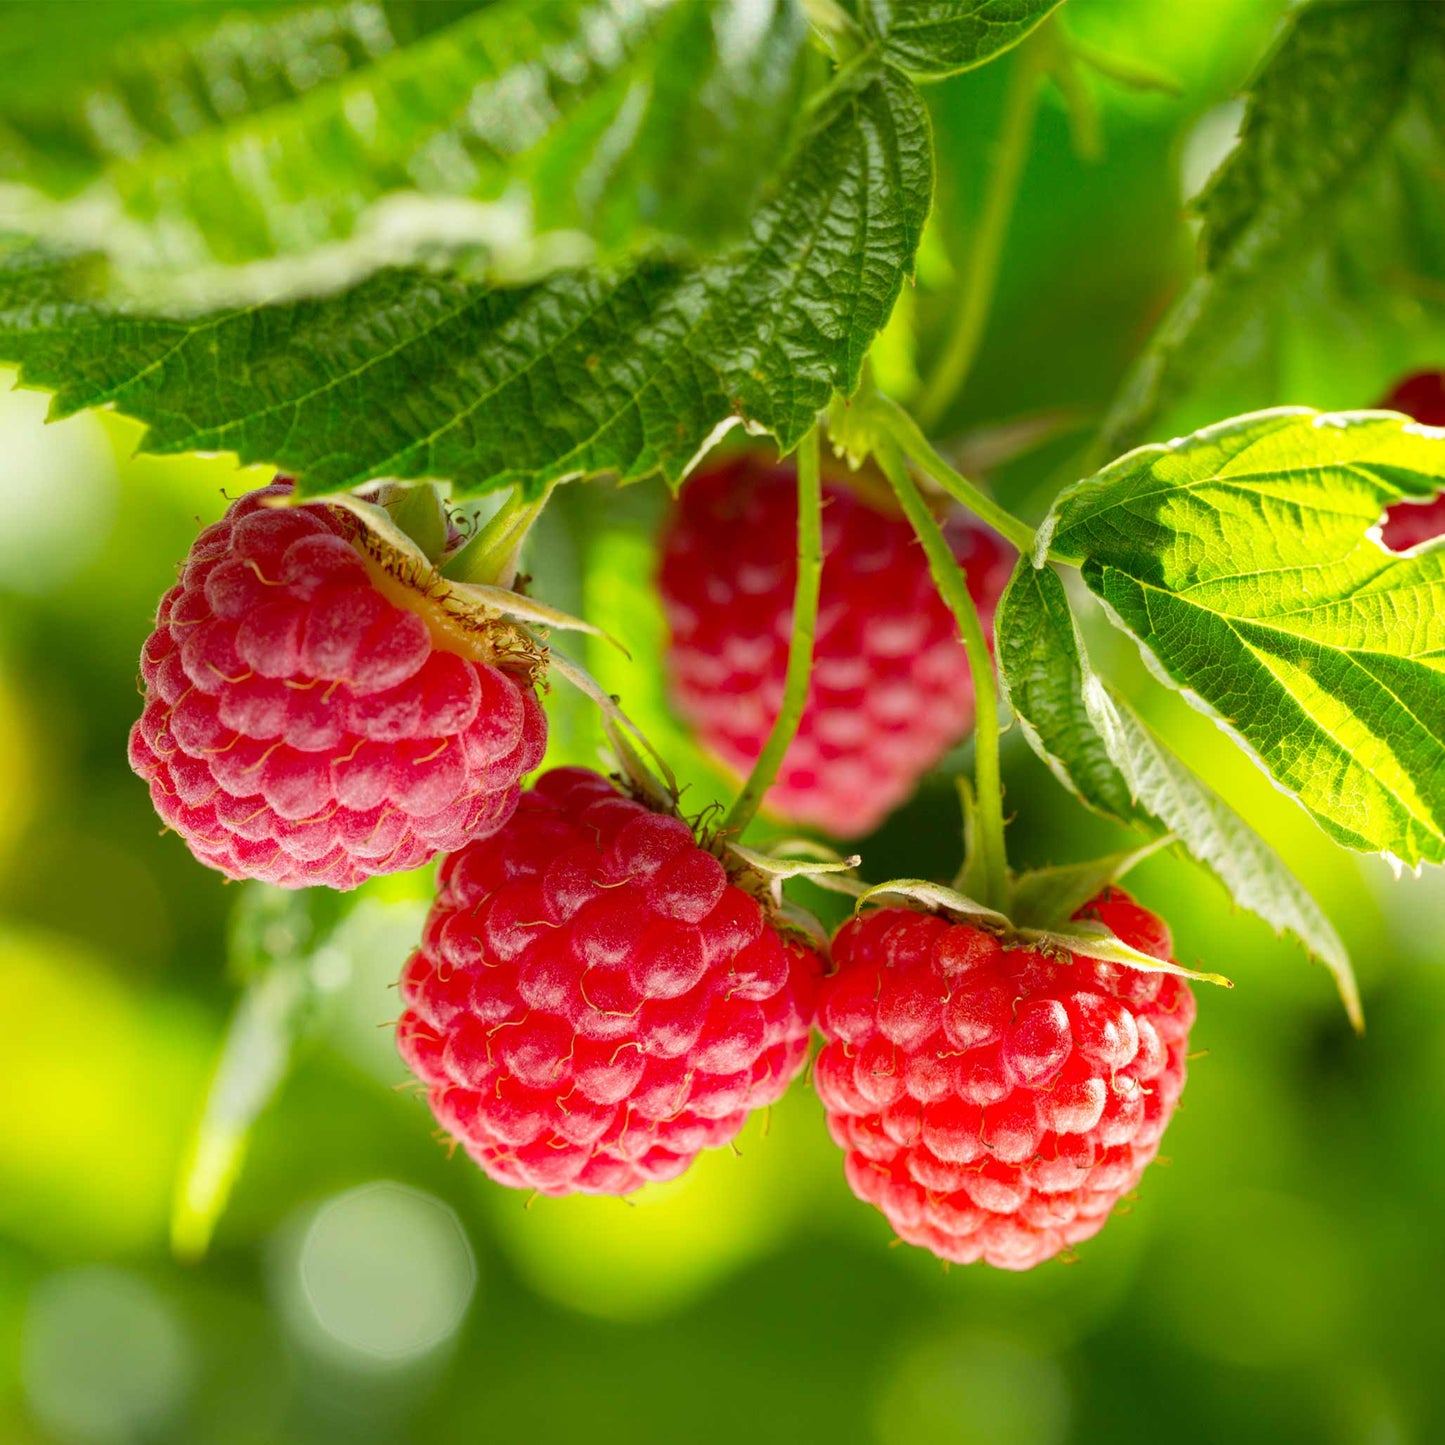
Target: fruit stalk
x: 980, y: 272
x: 800, y: 648
x: 909, y: 437
x: 992, y: 860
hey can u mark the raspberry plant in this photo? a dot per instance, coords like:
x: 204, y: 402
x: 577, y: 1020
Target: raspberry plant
x: 448, y: 268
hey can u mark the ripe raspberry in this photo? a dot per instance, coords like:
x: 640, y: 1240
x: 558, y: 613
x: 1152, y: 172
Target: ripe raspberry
x: 890, y: 690
x: 1407, y: 524
x: 593, y: 1003
x: 312, y: 720
x: 996, y: 1104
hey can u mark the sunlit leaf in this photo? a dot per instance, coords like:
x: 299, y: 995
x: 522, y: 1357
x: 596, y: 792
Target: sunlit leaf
x: 1241, y: 559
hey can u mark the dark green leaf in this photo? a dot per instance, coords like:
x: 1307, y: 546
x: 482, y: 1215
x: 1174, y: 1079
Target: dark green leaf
x: 1319, y: 110
x: 1241, y: 559
x: 934, y: 38
x: 416, y: 375
x: 1102, y: 751
x: 1039, y: 660
x: 270, y: 133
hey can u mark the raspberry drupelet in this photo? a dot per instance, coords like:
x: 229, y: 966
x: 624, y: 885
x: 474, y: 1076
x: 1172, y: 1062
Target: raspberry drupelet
x: 593, y: 1001
x: 890, y: 690
x: 995, y: 1104
x: 312, y: 719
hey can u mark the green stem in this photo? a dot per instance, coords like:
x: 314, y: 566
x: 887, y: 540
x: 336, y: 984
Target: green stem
x: 836, y: 27
x: 991, y: 857
x: 981, y: 267
x: 908, y: 436
x: 491, y: 556
x: 800, y: 649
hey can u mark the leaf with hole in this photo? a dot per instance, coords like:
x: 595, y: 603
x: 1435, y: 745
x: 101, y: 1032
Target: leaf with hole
x: 1244, y: 559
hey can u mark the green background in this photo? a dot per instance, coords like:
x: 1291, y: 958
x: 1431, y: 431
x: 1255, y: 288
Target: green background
x: 1279, y: 1279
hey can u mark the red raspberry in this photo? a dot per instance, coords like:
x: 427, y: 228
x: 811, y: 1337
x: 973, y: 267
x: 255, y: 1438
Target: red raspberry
x: 593, y: 1002
x: 1407, y: 524
x: 997, y: 1104
x: 310, y: 719
x: 890, y: 689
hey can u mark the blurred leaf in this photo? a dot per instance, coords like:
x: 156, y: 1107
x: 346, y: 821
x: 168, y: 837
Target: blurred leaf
x: 91, y: 1126
x: 242, y: 136
x: 1129, y: 71
x: 1318, y: 116
x: 1240, y: 560
x: 415, y: 375
x: 1100, y: 749
x: 278, y: 946
x: 935, y: 38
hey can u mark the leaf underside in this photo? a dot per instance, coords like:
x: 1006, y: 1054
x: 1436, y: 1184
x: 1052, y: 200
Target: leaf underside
x: 1100, y: 749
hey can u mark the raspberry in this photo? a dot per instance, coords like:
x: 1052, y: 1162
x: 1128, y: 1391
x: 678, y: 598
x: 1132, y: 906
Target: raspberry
x: 593, y: 1002
x: 890, y: 690
x: 308, y: 721
x: 1407, y: 524
x: 996, y: 1104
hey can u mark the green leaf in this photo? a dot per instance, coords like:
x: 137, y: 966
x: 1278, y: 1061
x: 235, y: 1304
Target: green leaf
x: 278, y: 948
x: 416, y: 375
x: 1049, y: 897
x: 255, y: 135
x: 1040, y: 659
x: 1090, y: 939
x: 1102, y: 751
x: 1319, y: 111
x: 1240, y: 558
x: 935, y: 38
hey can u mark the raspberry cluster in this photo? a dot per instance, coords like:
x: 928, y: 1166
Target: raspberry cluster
x: 309, y: 721
x: 996, y: 1103
x: 890, y: 690
x: 593, y: 1001
x: 595, y: 998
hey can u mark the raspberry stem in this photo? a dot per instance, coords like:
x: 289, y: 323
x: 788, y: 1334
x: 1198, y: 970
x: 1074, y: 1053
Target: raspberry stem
x: 491, y: 557
x: 980, y: 270
x: 915, y: 446
x: 800, y: 647
x: 990, y: 864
